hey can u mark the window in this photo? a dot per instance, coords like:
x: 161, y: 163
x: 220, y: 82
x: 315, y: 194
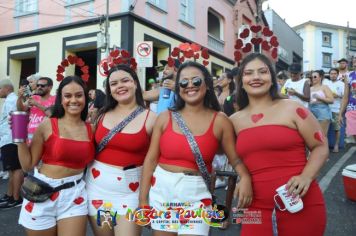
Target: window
x: 26, y: 7
x: 214, y: 25
x: 158, y: 4
x: 75, y: 2
x: 187, y: 11
x: 326, y: 60
x: 353, y: 43
x: 326, y: 39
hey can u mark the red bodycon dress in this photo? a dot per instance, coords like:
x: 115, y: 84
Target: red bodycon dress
x: 273, y: 154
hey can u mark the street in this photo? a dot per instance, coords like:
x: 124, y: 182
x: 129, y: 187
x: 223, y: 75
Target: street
x: 341, y: 212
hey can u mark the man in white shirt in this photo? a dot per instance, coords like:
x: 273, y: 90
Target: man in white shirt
x: 343, y: 70
x: 8, y: 149
x: 297, y: 87
x: 337, y: 87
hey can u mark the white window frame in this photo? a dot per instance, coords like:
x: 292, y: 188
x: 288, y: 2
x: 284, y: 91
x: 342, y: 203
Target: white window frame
x: 221, y: 23
x: 21, y: 9
x: 186, y: 14
x: 160, y: 5
x: 76, y: 2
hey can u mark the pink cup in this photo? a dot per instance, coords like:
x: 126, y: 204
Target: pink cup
x: 19, y: 121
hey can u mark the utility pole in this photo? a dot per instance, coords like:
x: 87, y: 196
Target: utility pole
x: 107, y: 35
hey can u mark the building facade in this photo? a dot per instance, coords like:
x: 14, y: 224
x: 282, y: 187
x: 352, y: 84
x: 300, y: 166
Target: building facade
x: 38, y: 35
x: 324, y: 44
x: 290, y: 47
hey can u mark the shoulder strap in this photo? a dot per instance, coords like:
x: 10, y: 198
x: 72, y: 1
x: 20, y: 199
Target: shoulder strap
x: 118, y: 128
x: 194, y: 147
x: 55, y: 128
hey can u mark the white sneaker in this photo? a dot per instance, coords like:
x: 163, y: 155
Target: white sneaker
x: 2, y: 173
x: 6, y: 175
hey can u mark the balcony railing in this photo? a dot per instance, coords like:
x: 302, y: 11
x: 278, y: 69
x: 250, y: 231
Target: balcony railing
x: 216, y: 44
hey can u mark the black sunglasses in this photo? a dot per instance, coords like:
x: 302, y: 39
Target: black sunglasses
x: 42, y: 85
x: 196, y: 82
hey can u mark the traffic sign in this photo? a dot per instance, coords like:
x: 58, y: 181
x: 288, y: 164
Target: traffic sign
x: 144, y: 54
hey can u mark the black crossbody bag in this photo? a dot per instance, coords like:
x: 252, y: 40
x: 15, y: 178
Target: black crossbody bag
x: 200, y: 162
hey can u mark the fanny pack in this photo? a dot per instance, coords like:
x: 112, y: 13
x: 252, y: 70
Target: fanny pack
x: 36, y: 190
x: 200, y: 163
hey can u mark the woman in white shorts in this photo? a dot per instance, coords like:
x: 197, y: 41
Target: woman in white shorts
x: 64, y: 144
x: 113, y: 179
x: 171, y: 181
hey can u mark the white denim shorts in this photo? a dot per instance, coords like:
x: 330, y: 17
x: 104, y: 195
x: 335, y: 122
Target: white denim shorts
x: 66, y: 203
x: 182, y: 194
x: 112, y: 189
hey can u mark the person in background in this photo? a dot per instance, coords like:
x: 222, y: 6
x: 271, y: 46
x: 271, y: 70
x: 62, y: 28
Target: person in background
x: 320, y: 98
x: 273, y: 149
x: 65, y: 145
x: 297, y: 87
x: 349, y: 103
x: 98, y: 102
x: 337, y: 88
x: 343, y: 69
x: 91, y: 113
x: 113, y: 178
x: 9, y: 154
x: 160, y: 94
x: 170, y: 172
x: 282, y: 77
x: 32, y: 79
x: 39, y: 105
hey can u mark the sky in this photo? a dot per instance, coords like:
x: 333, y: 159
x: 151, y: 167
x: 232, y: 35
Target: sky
x: 295, y: 12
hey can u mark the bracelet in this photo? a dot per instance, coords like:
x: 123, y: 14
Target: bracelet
x: 237, y: 162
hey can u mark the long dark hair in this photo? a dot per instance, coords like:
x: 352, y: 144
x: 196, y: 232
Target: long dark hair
x: 242, y: 98
x: 210, y: 99
x: 58, y: 110
x: 110, y: 102
x: 232, y: 82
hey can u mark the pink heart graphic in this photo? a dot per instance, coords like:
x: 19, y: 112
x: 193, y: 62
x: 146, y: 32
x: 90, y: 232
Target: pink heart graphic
x: 134, y: 186
x: 256, y: 117
x: 54, y: 196
x: 302, y: 112
x: 29, y: 206
x: 119, y: 178
x: 97, y: 203
x: 95, y: 172
x: 153, y: 180
x: 78, y: 200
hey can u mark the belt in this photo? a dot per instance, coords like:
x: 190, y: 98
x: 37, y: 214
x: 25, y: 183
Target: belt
x: 66, y: 185
x: 192, y: 173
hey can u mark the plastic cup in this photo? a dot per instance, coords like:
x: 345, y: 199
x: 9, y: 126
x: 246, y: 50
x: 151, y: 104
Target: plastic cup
x: 19, y: 120
x: 292, y: 204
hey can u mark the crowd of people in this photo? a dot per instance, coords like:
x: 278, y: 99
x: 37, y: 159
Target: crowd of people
x: 105, y: 153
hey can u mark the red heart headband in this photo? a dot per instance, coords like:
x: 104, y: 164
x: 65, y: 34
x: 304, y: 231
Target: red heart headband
x: 266, y: 39
x: 73, y: 60
x: 116, y: 57
x: 189, y: 51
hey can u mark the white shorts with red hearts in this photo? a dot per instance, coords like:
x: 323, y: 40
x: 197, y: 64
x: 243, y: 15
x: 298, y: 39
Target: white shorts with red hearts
x: 177, y: 190
x: 112, y: 189
x: 70, y: 202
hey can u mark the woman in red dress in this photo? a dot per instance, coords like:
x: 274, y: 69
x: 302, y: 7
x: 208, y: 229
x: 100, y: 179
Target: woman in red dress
x: 272, y: 135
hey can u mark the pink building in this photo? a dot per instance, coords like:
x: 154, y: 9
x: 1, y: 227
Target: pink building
x: 37, y: 35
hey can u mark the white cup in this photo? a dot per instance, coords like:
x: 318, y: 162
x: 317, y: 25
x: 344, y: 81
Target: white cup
x: 292, y: 204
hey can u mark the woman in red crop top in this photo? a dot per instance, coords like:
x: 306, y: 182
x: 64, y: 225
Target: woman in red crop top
x: 170, y: 175
x: 65, y: 146
x: 113, y: 179
x: 272, y: 134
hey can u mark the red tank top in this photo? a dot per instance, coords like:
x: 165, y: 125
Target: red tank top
x: 67, y: 152
x: 175, y: 149
x: 123, y: 149
x: 271, y: 151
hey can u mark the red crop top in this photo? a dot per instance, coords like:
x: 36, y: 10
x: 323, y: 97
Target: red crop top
x: 67, y: 152
x: 175, y: 149
x: 123, y: 149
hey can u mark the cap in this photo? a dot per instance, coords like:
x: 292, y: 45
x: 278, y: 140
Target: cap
x: 343, y: 60
x: 151, y: 81
x: 176, y: 63
x: 295, y: 68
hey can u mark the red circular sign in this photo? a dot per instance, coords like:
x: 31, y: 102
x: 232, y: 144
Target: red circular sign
x: 144, y: 49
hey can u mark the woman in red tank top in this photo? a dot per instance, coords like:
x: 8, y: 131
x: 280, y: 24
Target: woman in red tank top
x: 113, y: 179
x: 171, y: 176
x: 65, y: 146
x: 273, y: 147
